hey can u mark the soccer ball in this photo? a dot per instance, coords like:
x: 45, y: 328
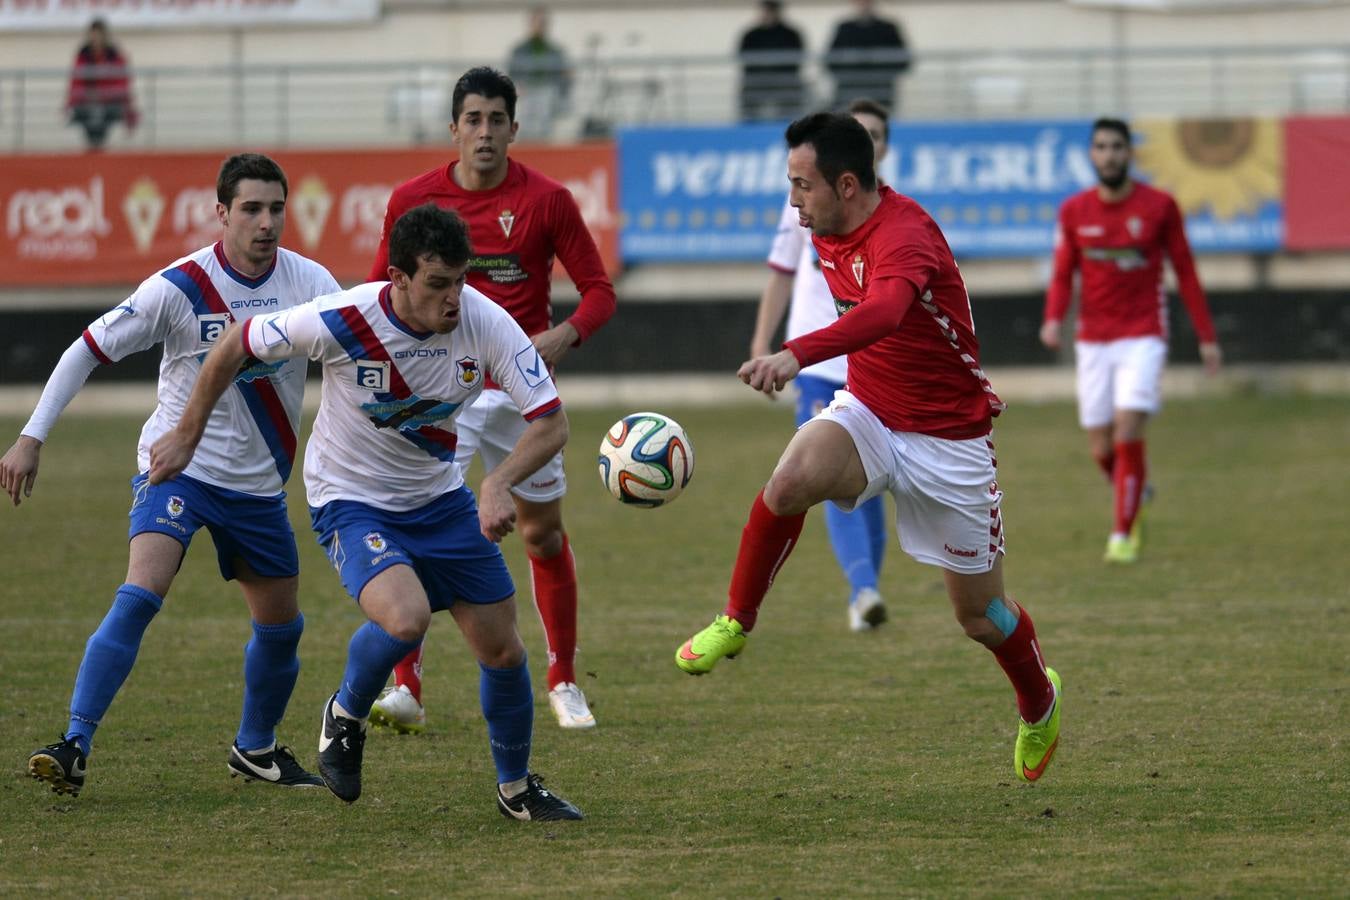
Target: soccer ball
x: 646, y: 459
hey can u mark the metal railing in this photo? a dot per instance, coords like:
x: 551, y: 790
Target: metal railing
x: 401, y: 103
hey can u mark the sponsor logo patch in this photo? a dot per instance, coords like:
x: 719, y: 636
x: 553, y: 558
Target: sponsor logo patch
x: 372, y: 375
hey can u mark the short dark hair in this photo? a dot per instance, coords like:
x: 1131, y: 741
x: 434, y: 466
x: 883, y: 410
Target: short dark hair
x: 486, y: 82
x: 428, y: 230
x: 247, y: 165
x: 1117, y: 125
x: 869, y: 107
x: 842, y: 145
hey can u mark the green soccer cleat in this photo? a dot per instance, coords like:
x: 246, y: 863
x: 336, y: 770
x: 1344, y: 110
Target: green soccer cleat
x: 724, y: 637
x: 1036, y: 743
x: 1140, y: 527
x: 1121, y: 549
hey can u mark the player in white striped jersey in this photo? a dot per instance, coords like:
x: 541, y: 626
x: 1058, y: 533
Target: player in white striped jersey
x: 400, y: 360
x: 234, y: 486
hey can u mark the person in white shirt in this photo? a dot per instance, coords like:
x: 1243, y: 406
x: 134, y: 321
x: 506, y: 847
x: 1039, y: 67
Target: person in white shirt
x: 858, y: 538
x: 233, y: 488
x: 401, y: 359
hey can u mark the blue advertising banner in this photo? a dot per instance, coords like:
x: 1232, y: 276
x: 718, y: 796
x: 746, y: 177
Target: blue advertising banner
x: 715, y: 193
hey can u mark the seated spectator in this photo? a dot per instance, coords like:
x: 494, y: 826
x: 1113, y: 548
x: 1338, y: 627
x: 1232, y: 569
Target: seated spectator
x: 539, y: 68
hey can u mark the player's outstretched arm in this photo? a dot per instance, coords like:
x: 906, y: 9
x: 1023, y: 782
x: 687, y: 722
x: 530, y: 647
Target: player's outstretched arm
x: 769, y: 374
x: 554, y: 343
x: 19, y: 468
x: 1211, y: 356
x: 773, y: 303
x: 171, y: 454
x: 540, y: 442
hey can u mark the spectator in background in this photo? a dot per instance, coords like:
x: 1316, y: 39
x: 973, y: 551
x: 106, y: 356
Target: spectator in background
x: 539, y: 67
x: 100, y: 87
x: 866, y: 56
x: 770, y: 54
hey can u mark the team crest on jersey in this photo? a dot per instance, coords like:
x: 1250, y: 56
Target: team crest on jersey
x: 469, y: 372
x: 1135, y: 226
x: 373, y: 375
x: 858, y: 269
x: 174, y: 506
x: 506, y: 219
x: 375, y: 541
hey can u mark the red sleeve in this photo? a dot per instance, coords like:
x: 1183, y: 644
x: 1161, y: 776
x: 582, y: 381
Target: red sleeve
x: 1059, y: 295
x: 581, y: 258
x: 379, y: 270
x: 1183, y: 264
x: 888, y: 301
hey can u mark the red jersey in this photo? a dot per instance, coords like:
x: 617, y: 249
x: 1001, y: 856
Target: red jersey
x: 1119, y: 249
x: 516, y: 230
x: 905, y: 321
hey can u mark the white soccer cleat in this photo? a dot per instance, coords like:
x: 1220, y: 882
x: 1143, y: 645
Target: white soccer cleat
x: 867, y: 610
x: 398, y: 710
x: 569, y: 705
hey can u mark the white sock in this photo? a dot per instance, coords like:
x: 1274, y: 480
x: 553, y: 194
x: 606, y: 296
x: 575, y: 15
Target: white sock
x: 339, y: 711
x: 514, y: 788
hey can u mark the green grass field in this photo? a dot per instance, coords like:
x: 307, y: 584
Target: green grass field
x: 1205, y: 728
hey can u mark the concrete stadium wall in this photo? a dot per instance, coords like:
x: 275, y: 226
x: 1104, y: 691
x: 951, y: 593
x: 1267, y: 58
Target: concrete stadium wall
x: 712, y: 336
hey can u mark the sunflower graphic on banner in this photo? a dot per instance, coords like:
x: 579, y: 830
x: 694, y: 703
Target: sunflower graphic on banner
x: 1227, y: 175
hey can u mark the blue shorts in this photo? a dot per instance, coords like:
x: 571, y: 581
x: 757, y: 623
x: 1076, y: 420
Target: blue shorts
x: 813, y: 395
x: 243, y: 526
x: 440, y: 541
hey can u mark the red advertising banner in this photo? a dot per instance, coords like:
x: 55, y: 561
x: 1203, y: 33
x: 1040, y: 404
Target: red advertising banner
x: 1317, y: 183
x: 118, y: 218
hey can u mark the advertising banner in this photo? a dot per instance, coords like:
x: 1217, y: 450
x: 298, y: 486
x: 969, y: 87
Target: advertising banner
x: 74, y: 15
x: 1317, y: 183
x: 118, y: 218
x: 706, y: 194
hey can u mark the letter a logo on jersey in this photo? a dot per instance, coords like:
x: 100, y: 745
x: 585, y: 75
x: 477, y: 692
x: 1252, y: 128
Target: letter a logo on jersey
x: 506, y: 219
x: 858, y: 269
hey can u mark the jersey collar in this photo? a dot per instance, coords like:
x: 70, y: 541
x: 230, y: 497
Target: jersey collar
x: 387, y: 305
x: 240, y: 277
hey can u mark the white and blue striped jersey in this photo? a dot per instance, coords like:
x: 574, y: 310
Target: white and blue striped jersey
x: 385, y: 431
x: 250, y: 438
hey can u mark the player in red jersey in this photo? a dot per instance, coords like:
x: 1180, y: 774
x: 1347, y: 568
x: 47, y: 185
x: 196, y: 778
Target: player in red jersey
x: 1115, y: 234
x: 914, y: 420
x: 519, y: 220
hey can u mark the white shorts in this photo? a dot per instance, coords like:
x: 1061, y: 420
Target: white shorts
x: 492, y: 425
x: 1124, y: 374
x: 946, y: 497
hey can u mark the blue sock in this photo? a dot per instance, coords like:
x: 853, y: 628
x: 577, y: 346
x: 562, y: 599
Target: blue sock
x: 874, y: 511
x: 508, y: 706
x: 371, y: 656
x: 109, y: 655
x: 852, y: 545
x: 271, y: 666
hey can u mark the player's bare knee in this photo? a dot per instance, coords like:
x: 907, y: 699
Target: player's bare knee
x: 788, y: 491
x: 406, y: 623
x: 542, y: 541
x: 506, y: 654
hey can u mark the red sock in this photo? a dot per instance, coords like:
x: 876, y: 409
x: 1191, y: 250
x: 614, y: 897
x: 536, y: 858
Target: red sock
x: 1107, y: 464
x: 555, y: 596
x: 766, y: 541
x: 1020, y: 657
x: 408, y: 672
x: 1130, y: 474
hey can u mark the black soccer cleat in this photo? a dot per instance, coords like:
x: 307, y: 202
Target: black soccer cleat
x: 277, y: 766
x: 341, y: 744
x: 536, y: 804
x: 62, y: 765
